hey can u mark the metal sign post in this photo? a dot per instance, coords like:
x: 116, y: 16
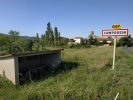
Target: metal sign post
x: 114, y: 32
x: 114, y: 53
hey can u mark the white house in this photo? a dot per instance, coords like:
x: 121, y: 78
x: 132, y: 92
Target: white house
x: 78, y: 40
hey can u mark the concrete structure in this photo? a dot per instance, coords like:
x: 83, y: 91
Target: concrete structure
x: 13, y: 65
x: 78, y: 40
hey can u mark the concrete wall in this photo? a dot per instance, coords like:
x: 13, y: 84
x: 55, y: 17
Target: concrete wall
x: 7, y: 68
x: 11, y: 67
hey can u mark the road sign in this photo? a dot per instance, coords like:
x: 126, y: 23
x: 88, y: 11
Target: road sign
x: 116, y: 26
x: 115, y: 32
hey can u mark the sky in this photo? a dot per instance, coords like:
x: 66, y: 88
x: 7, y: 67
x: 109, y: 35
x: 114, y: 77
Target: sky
x: 74, y: 18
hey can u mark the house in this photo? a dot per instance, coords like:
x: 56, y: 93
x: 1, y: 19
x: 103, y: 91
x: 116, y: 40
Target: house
x: 102, y: 39
x: 14, y: 65
x: 78, y: 40
x: 109, y: 40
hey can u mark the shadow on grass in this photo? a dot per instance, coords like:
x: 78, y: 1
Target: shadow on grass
x: 46, y: 72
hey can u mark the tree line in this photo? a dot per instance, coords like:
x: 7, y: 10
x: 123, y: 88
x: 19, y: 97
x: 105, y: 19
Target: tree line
x: 51, y: 37
x: 93, y: 41
x: 12, y: 42
x: 123, y: 41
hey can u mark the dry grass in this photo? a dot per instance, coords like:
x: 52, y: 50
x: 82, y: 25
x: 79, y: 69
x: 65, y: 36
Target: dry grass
x: 87, y: 76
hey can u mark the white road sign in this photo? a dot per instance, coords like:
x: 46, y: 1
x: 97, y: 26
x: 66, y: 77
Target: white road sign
x: 115, y: 32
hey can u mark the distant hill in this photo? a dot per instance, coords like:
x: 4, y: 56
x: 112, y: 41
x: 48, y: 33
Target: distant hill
x: 23, y: 37
x: 28, y: 37
x: 2, y: 34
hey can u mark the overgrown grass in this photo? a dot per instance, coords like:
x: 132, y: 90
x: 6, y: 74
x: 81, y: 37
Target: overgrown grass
x: 131, y: 48
x: 90, y: 79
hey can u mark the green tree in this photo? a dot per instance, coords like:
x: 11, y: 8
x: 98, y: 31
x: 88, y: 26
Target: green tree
x: 28, y: 45
x: 59, y: 38
x: 14, y: 46
x: 14, y: 35
x: 25, y: 45
x: 126, y: 41
x: 37, y: 37
x: 64, y: 41
x: 5, y: 44
x: 52, y: 38
x: 42, y: 42
x: 48, y: 34
x: 3, y: 41
x: 46, y: 37
x: 91, y: 41
x: 56, y: 36
x: 37, y: 42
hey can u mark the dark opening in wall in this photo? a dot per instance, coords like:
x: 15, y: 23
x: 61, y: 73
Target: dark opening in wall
x: 34, y: 66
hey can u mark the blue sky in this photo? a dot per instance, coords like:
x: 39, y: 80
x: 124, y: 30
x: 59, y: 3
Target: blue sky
x: 72, y: 17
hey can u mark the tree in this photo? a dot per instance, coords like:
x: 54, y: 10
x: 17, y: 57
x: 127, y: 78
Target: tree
x: 49, y: 34
x: 5, y: 43
x: 63, y: 41
x: 2, y: 42
x: 91, y: 41
x: 13, y: 35
x: 56, y: 36
x: 42, y: 41
x: 59, y: 38
x: 125, y: 41
x: 28, y: 45
x: 25, y: 45
x: 37, y: 37
x: 104, y: 42
x: 37, y: 42
x: 52, y: 38
x: 97, y: 43
x: 46, y: 37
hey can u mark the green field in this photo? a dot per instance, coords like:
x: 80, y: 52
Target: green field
x: 84, y: 75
